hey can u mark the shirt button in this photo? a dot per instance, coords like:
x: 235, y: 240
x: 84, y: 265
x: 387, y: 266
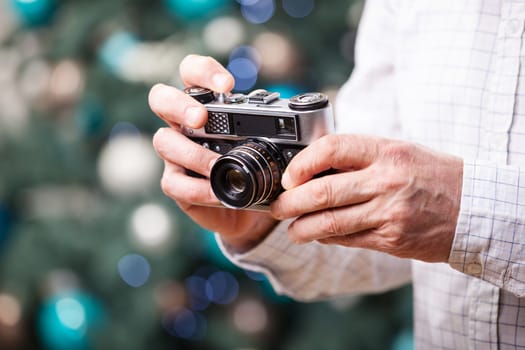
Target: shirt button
x: 474, y: 269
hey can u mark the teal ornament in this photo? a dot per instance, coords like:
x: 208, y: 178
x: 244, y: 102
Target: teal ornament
x: 89, y: 118
x: 115, y: 50
x: 404, y: 340
x: 34, y: 13
x: 6, y: 220
x: 286, y: 90
x: 191, y: 10
x: 69, y: 321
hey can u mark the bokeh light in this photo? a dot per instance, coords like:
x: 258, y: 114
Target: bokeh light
x: 298, y: 8
x: 279, y: 58
x: 134, y: 269
x: 152, y: 227
x: 67, y: 321
x: 285, y: 90
x: 195, y: 9
x: 222, y: 34
x: 71, y: 314
x: 245, y: 73
x: 34, y: 79
x: 186, y: 324
x: 196, y: 287
x: 34, y: 13
x: 114, y: 50
x: 66, y: 82
x: 248, y: 52
x: 259, y: 11
x: 169, y: 295
x: 10, y: 310
x: 128, y: 165
x: 123, y: 129
x: 250, y: 316
x: 222, y: 287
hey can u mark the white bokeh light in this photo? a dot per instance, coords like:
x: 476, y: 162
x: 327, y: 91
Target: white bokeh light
x: 278, y: 55
x: 152, y: 227
x: 250, y: 316
x: 128, y: 165
x: 223, y: 34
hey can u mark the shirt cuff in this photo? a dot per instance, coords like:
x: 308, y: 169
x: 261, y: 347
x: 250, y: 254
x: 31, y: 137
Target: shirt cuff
x: 484, y: 244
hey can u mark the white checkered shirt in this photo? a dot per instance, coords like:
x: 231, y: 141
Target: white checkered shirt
x: 449, y: 74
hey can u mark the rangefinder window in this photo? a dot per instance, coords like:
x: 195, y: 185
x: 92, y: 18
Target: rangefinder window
x: 266, y: 126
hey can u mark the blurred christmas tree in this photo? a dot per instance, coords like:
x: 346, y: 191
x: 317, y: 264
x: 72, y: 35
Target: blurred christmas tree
x: 92, y: 254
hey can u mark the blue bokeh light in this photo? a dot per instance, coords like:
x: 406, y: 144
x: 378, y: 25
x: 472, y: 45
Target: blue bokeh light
x: 222, y: 287
x: 298, y: 8
x: 185, y: 324
x: 245, y: 73
x: 123, y: 129
x: 196, y: 287
x: 259, y: 11
x: 134, y: 269
x: 247, y: 52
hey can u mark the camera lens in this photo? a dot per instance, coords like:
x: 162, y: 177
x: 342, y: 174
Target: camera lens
x: 247, y: 175
x: 237, y: 180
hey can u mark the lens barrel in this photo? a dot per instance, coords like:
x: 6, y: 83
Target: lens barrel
x: 247, y: 175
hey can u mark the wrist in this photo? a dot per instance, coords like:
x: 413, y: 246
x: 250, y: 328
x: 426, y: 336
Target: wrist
x: 244, y: 242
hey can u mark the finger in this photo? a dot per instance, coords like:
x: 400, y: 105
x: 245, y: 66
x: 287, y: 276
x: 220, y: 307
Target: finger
x: 331, y: 152
x: 334, y: 222
x: 186, y: 189
x: 206, y: 72
x: 330, y: 191
x: 365, y: 239
x: 175, y: 107
x: 178, y: 149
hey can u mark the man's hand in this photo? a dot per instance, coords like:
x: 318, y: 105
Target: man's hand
x: 390, y: 196
x: 240, y: 229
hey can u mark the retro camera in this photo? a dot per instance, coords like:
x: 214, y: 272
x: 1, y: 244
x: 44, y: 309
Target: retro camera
x: 257, y: 134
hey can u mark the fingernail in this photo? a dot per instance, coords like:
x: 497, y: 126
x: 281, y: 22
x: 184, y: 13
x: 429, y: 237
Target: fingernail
x: 194, y: 116
x: 221, y: 80
x: 286, y: 181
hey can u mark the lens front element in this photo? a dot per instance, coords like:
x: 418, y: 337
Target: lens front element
x: 249, y: 174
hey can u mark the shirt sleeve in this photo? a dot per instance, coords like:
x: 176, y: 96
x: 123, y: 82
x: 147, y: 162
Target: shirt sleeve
x: 490, y: 234
x: 315, y: 271
x: 366, y: 104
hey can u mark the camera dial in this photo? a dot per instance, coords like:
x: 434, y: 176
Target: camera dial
x: 202, y: 95
x: 308, y: 101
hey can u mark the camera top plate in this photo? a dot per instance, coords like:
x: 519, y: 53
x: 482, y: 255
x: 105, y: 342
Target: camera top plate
x: 261, y: 113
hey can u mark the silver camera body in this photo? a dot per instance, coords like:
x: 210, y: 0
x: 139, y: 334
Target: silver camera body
x: 257, y: 135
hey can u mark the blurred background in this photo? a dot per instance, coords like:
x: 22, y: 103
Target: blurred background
x: 92, y: 254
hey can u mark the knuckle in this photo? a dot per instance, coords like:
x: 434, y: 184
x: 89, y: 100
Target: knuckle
x: 399, y: 152
x: 330, y: 224
x: 321, y: 194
